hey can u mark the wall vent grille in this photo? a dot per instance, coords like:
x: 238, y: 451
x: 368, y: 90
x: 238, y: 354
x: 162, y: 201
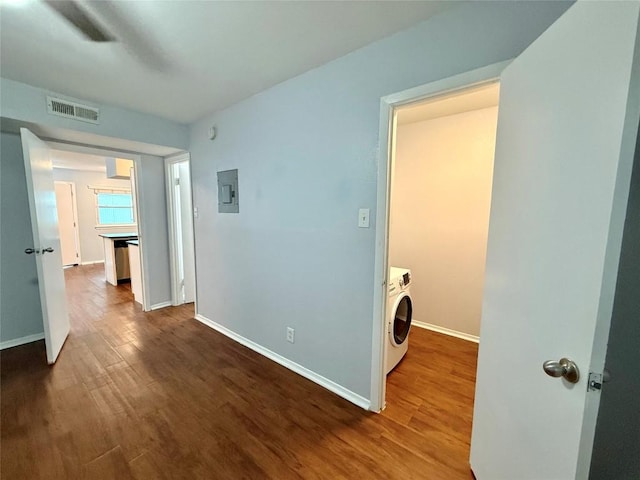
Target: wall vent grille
x: 77, y: 111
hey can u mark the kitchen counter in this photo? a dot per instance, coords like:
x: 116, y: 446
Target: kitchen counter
x: 116, y: 256
x: 119, y: 236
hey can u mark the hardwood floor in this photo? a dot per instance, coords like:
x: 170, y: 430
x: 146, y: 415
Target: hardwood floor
x: 159, y: 395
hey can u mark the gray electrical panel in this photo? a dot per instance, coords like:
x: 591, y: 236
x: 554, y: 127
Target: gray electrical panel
x: 228, y: 191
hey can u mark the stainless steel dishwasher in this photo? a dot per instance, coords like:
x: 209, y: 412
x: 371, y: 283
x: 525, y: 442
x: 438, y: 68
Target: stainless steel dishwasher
x: 121, y: 253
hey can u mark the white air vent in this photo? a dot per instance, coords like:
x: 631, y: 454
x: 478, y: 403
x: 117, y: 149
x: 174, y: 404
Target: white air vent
x: 67, y: 109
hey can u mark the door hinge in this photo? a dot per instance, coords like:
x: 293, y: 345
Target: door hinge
x: 177, y: 181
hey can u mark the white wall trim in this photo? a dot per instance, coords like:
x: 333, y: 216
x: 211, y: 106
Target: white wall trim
x: 160, y: 305
x: 285, y: 362
x: 138, y: 210
x: 95, y: 262
x: 445, y: 331
x: 21, y: 341
x: 388, y: 104
x: 171, y: 220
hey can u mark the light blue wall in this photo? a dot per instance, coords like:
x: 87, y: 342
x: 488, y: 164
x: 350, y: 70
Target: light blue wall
x: 307, y: 153
x: 20, y: 313
x: 154, y: 227
x: 29, y: 104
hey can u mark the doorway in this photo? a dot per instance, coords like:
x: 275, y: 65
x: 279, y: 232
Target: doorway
x: 440, y: 198
x: 438, y: 244
x: 181, y: 241
x: 68, y: 223
x: 106, y: 214
x: 104, y: 205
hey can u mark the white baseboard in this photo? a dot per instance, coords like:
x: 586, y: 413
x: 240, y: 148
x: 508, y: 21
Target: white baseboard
x: 158, y: 306
x: 446, y: 331
x: 21, y: 341
x: 92, y: 263
x: 285, y: 362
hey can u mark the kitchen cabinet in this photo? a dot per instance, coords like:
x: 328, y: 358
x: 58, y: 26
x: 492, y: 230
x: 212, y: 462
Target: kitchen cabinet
x: 116, y: 256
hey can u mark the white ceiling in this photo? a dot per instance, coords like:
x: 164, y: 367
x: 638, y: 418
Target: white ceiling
x: 184, y: 59
x: 465, y: 101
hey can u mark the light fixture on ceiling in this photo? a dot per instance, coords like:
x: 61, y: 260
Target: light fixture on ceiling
x: 106, y: 21
x: 81, y: 19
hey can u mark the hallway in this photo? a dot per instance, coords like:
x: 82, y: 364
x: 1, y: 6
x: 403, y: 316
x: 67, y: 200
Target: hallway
x: 159, y: 395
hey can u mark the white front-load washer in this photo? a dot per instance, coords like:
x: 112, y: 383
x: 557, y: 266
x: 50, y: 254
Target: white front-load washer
x: 399, y: 312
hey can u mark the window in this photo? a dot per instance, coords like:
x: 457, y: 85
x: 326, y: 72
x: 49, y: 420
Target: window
x: 114, y: 208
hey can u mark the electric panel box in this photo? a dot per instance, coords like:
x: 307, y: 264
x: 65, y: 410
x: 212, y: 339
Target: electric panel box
x: 228, y: 197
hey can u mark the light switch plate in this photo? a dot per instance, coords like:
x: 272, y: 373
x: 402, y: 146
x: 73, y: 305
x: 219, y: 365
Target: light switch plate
x: 363, y: 218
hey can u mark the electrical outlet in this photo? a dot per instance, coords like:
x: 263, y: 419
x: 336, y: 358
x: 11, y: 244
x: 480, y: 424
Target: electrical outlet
x: 291, y: 335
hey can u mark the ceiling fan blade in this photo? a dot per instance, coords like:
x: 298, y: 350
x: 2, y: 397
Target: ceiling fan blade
x: 74, y: 14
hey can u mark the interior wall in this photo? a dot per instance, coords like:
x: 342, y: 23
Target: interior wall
x: 91, y: 245
x: 20, y: 311
x: 616, y: 448
x: 307, y: 153
x: 27, y: 103
x: 153, y: 225
x: 441, y: 197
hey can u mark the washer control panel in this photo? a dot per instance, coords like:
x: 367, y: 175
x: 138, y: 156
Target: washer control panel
x: 399, y: 280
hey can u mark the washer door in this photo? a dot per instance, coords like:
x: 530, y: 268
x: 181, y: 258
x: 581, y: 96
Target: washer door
x: 401, y: 319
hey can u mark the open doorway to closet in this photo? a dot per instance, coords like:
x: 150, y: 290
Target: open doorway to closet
x: 440, y: 183
x: 440, y: 202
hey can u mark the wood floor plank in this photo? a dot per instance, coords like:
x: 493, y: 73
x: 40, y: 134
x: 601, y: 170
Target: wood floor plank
x: 110, y: 465
x: 155, y: 395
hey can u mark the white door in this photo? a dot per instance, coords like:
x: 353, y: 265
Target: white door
x: 566, y: 130
x: 186, y: 221
x: 67, y: 224
x: 46, y: 242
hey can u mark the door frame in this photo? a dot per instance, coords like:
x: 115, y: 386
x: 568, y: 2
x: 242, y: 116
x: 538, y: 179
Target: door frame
x: 76, y: 227
x: 388, y: 105
x: 174, y: 260
x: 139, y: 216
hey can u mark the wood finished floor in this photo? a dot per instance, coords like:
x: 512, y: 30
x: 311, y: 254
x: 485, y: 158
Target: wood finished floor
x: 159, y: 395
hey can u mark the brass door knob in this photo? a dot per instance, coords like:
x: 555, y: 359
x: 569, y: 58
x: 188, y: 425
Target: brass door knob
x: 564, y: 368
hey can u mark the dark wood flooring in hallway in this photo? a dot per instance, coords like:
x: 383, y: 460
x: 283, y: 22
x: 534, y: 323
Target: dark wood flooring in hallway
x: 159, y: 395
